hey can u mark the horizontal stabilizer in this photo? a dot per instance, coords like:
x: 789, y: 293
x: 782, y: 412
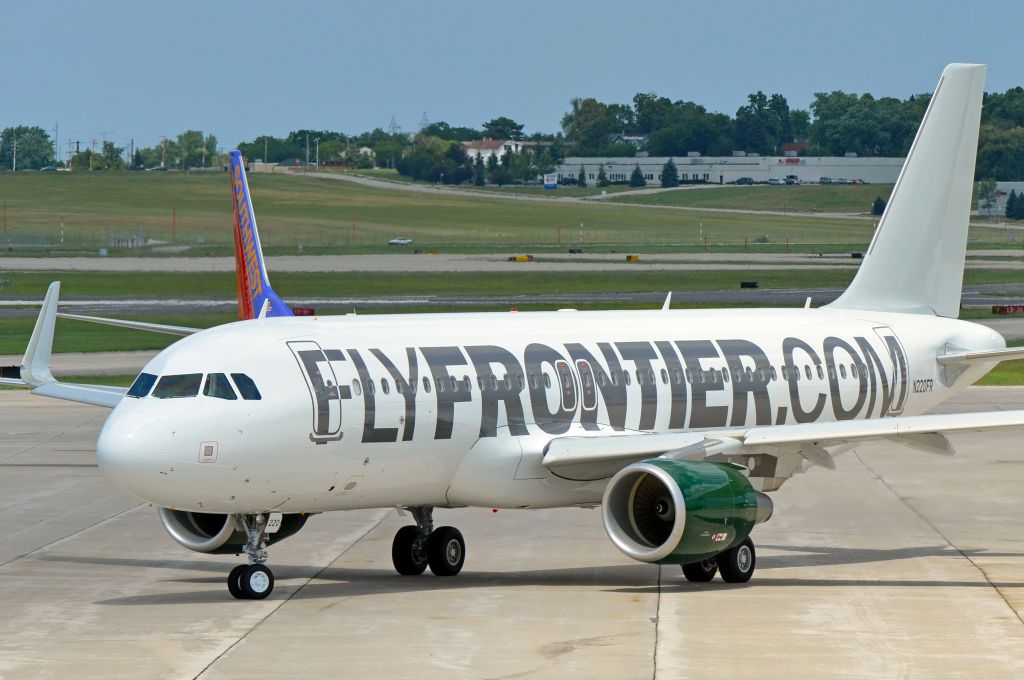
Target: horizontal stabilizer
x: 968, y: 358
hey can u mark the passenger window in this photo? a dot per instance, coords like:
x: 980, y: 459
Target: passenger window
x: 520, y: 381
x: 853, y: 370
x: 370, y: 390
x: 639, y: 377
x: 625, y: 378
x: 842, y: 370
x: 821, y: 374
x: 467, y: 384
x: 725, y: 375
x: 426, y: 384
x: 547, y: 381
x: 384, y: 385
x: 218, y: 387
x: 398, y: 387
x: 533, y: 381
x: 807, y: 371
x: 454, y: 382
x: 357, y: 387
x: 664, y: 377
x: 615, y: 378
x: 689, y: 376
x: 142, y: 385
x: 177, y: 386
x: 775, y: 375
x: 601, y: 379
x: 494, y: 383
x: 832, y: 372
x: 480, y: 382
x: 650, y: 377
x: 677, y: 376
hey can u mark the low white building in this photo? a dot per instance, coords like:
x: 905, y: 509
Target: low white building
x: 485, y: 148
x: 728, y: 169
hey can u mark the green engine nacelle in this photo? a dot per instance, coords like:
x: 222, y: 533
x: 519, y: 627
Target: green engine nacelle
x: 679, y: 512
x: 218, y: 534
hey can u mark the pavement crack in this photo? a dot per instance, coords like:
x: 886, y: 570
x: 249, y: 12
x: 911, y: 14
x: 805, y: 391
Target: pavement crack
x: 287, y: 599
x: 657, y: 624
x: 981, y: 570
x: 71, y: 535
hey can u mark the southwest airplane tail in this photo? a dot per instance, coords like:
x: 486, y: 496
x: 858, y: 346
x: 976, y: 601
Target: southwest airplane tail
x: 254, y: 291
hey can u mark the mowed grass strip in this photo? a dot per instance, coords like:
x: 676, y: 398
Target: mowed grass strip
x: 846, y: 198
x: 80, y: 212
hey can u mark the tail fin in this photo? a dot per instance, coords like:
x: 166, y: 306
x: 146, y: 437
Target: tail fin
x: 253, y: 284
x: 915, y: 262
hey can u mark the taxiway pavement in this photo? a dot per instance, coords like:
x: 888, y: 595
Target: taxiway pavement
x: 897, y: 564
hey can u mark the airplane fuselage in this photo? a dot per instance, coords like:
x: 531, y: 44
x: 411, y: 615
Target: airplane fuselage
x: 451, y: 410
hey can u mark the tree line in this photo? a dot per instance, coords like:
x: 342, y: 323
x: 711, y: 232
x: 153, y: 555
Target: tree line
x: 835, y: 123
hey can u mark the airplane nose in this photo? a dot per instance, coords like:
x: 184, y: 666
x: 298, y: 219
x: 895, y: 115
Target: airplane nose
x: 125, y: 452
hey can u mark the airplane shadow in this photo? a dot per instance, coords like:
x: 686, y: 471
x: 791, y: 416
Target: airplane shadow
x: 344, y: 582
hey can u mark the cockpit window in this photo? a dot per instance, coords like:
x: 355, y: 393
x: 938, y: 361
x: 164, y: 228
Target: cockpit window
x: 175, y: 386
x: 217, y: 386
x: 142, y: 385
x: 246, y: 387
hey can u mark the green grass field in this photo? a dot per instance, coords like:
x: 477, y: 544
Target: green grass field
x: 81, y: 212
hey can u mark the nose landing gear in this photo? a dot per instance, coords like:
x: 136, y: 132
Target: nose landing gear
x: 416, y: 547
x: 252, y: 581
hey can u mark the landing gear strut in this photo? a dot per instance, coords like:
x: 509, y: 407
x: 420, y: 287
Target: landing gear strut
x: 417, y: 547
x: 252, y: 581
x: 736, y: 565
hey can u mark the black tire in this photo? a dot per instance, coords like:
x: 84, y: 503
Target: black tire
x: 235, y: 583
x: 700, y: 572
x: 737, y: 564
x: 446, y: 551
x: 409, y: 551
x: 257, y: 582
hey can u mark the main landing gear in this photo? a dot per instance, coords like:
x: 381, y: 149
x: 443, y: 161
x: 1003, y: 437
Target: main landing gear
x: 252, y: 581
x: 416, y: 547
x: 736, y: 565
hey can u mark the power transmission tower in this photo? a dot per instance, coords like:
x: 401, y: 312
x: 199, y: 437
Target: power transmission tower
x: 393, y: 128
x: 424, y: 121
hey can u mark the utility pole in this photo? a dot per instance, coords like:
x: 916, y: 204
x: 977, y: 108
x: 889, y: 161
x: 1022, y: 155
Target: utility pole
x: 14, y: 158
x: 56, y: 141
x: 318, y: 154
x: 307, y: 149
x: 265, y: 149
x: 163, y: 154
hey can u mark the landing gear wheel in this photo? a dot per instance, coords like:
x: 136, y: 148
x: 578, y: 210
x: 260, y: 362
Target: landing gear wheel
x: 446, y: 551
x: 737, y: 564
x: 235, y: 582
x: 409, y: 551
x: 700, y: 572
x: 256, y: 581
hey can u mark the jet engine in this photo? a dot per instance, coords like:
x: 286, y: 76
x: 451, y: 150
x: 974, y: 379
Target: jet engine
x: 680, y: 512
x: 212, y: 533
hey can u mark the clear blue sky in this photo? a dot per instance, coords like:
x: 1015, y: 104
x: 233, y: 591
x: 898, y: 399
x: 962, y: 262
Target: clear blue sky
x: 134, y: 69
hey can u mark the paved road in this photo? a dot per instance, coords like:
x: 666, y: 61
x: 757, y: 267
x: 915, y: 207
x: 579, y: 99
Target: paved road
x: 897, y: 564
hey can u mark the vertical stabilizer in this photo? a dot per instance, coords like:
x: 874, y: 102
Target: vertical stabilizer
x: 915, y: 262
x: 253, y: 283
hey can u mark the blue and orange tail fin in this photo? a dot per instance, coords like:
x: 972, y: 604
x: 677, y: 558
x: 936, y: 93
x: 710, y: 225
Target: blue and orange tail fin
x: 253, y: 283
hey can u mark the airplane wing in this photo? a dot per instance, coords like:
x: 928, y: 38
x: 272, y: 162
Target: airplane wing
x: 136, y: 325
x: 575, y: 457
x: 35, y: 366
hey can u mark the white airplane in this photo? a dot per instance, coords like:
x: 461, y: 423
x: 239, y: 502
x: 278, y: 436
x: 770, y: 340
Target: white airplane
x: 676, y: 422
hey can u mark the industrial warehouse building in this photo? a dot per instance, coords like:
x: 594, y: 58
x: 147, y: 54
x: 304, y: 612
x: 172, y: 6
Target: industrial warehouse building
x: 728, y: 169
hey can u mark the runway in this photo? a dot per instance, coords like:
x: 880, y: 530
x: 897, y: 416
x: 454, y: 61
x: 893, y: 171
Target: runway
x: 896, y: 564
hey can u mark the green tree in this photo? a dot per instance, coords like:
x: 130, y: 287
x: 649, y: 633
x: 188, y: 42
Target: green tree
x: 111, y: 158
x: 669, y: 175
x: 636, y: 179
x: 878, y: 207
x: 602, y: 178
x: 1012, y: 207
x: 987, y: 195
x: 137, y: 162
x: 583, y: 176
x: 34, y: 148
x: 503, y: 128
x: 478, y: 171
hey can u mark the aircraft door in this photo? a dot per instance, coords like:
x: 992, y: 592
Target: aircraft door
x: 324, y: 391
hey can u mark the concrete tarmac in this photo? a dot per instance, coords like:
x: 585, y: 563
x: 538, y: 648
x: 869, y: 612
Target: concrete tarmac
x: 897, y: 564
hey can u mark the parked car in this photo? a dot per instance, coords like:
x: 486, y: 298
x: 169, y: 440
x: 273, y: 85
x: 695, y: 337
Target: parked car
x: 400, y: 241
x: 775, y: 181
x: 824, y: 180
x: 792, y: 179
x: 745, y: 180
x: 48, y: 168
x: 568, y: 181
